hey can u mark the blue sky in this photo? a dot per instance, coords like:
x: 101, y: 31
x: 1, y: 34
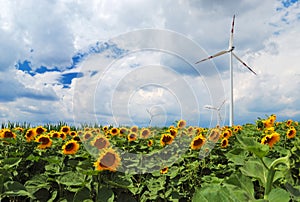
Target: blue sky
x: 122, y: 62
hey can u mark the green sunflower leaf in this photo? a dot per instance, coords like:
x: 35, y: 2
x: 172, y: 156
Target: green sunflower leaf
x: 105, y: 195
x: 10, y: 162
x: 279, y: 195
x: 251, y: 145
x: 251, y: 169
x: 13, y: 188
x: 213, y: 192
x: 241, y: 185
x: 82, y: 194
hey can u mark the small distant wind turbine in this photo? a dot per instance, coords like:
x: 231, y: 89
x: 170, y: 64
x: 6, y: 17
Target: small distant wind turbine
x: 149, y: 111
x: 230, y: 50
x: 218, y: 109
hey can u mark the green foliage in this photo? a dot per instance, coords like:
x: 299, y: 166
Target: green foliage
x: 245, y: 170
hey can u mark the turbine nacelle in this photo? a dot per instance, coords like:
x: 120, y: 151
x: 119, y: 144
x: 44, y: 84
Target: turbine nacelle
x: 230, y: 50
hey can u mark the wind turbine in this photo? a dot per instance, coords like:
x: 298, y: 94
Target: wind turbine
x: 229, y: 50
x: 216, y: 109
x: 149, y: 111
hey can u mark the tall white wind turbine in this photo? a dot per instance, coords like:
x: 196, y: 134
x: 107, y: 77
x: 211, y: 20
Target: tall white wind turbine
x: 230, y: 50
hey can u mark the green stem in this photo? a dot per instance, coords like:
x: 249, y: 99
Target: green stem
x: 261, y: 159
x: 271, y: 173
x: 282, y: 160
x: 60, y: 190
x: 269, y: 184
x: 284, y: 142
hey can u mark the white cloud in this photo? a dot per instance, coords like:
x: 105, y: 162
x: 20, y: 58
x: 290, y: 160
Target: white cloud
x: 275, y: 90
x: 265, y: 37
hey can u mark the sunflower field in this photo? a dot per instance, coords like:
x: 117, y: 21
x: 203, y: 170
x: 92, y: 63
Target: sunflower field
x: 251, y: 162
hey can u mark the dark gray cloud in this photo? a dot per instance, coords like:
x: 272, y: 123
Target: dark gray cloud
x: 11, y: 89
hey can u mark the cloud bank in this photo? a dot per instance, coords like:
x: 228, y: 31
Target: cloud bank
x: 52, y: 50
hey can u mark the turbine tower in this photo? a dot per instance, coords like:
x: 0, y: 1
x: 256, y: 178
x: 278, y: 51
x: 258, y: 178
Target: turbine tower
x: 229, y: 50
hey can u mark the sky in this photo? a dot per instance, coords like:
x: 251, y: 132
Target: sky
x: 132, y: 62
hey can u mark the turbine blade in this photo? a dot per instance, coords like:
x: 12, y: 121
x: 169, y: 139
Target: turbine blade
x: 241, y: 61
x: 213, y: 56
x: 221, y: 105
x: 231, y: 34
x: 220, y: 117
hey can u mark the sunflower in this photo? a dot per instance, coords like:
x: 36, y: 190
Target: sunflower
x: 225, y: 127
x: 73, y: 133
x: 100, y: 142
x: 190, y: 129
x: 273, y: 116
x: 224, y: 142
x: 30, y: 134
x: 272, y: 119
x: 268, y: 123
x: 87, y: 129
x: 65, y: 129
x: 62, y: 135
x: 226, y: 134
x: 291, y: 133
x: 7, y: 133
x: 173, y: 132
x: 76, y: 138
x: 166, y: 139
x: 80, y: 133
x: 70, y: 147
x: 55, y: 134
x: 19, y: 129
x: 197, y: 142
x: 214, y: 135
x: 90, y: 130
x: 87, y: 135
x: 97, y: 130
x: 40, y: 130
x: 134, y: 129
x: 181, y: 124
x: 199, y: 131
x: 171, y: 127
x: 145, y: 133
x: 131, y: 137
x: 44, y: 141
x: 123, y: 131
x: 269, y: 130
x: 108, y: 160
x: 235, y: 129
x: 150, y: 143
x: 289, y: 122
x: 270, y: 139
x: 164, y: 170
x: 105, y: 128
x: 114, y: 131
